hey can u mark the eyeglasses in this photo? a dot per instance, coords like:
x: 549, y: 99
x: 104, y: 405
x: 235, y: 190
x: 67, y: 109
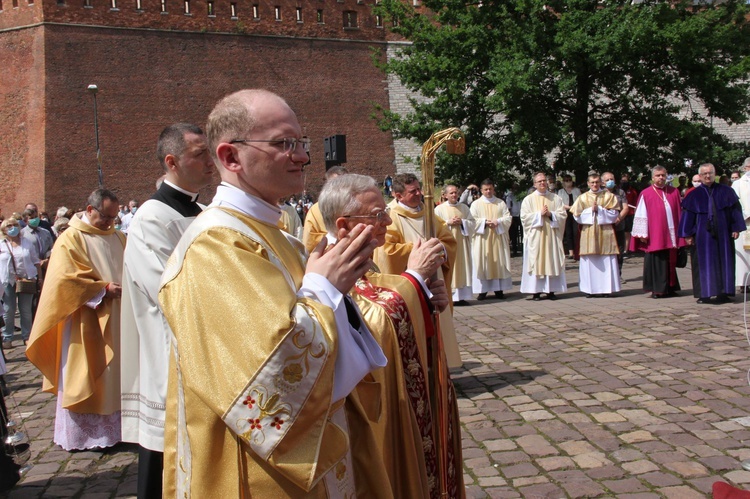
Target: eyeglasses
x: 289, y: 143
x: 104, y: 217
x: 380, y: 216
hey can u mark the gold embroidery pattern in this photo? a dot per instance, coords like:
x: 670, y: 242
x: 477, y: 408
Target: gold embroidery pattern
x: 269, y: 406
x: 265, y: 413
x: 416, y: 384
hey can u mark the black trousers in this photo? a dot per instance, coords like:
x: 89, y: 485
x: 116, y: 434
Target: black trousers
x: 150, y: 470
x: 657, y: 273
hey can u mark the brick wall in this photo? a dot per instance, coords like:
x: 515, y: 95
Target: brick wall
x: 148, y: 79
x: 22, y: 97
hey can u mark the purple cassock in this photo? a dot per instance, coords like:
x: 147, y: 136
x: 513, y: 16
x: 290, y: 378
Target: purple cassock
x: 710, y: 215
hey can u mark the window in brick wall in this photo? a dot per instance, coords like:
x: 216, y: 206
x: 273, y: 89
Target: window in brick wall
x: 138, y: 5
x: 163, y: 6
x: 187, y: 7
x: 86, y: 4
x: 210, y: 8
x: 277, y: 13
x: 379, y: 21
x: 256, y: 14
x: 319, y: 16
x: 113, y: 4
x: 233, y: 10
x: 350, y: 19
x: 299, y: 14
x: 59, y: 2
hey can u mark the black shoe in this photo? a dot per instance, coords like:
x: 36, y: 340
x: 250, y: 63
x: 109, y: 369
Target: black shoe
x: 703, y: 300
x: 499, y: 295
x: 537, y: 296
x: 551, y: 296
x: 482, y: 296
x: 461, y: 303
x: 590, y: 296
x: 655, y: 296
x: 723, y: 299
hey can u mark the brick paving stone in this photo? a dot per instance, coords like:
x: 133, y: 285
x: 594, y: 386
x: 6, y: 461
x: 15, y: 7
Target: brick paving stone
x: 721, y: 463
x: 626, y: 486
x: 555, y: 463
x: 519, y: 470
x: 637, y: 436
x: 498, y: 445
x: 639, y: 467
x: 659, y: 479
x: 542, y: 491
x: 509, y: 457
x: 689, y: 469
x: 681, y: 492
x: 610, y: 471
x: 536, y: 445
x: 738, y: 477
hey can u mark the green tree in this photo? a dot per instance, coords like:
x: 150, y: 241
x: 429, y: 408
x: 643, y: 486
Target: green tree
x: 591, y: 84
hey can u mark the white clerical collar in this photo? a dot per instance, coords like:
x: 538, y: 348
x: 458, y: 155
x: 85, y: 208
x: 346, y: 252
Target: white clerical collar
x: 193, y: 195
x: 233, y: 197
x: 85, y: 218
x: 747, y: 175
x: 540, y: 193
x: 485, y: 199
x: 409, y: 208
x: 451, y: 204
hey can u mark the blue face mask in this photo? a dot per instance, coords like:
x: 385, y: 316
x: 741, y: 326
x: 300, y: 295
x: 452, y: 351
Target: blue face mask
x: 610, y: 184
x: 34, y: 222
x: 14, y: 231
x: 117, y: 226
x: 133, y: 210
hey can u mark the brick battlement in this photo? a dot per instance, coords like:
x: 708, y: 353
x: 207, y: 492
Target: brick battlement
x: 339, y: 19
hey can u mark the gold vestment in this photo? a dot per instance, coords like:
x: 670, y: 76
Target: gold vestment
x: 84, y: 260
x: 461, y: 275
x: 249, y: 405
x: 596, y: 239
x: 392, y: 258
x: 314, y: 229
x: 491, y: 251
x: 392, y: 310
x: 543, y: 245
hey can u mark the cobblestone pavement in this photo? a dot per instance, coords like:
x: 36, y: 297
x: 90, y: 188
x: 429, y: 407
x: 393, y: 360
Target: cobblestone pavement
x: 624, y: 397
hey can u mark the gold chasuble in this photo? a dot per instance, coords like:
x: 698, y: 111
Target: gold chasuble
x: 314, y: 229
x: 596, y: 239
x: 461, y: 275
x: 392, y: 258
x: 491, y: 251
x: 84, y: 260
x: 249, y: 406
x: 544, y: 246
x: 394, y: 313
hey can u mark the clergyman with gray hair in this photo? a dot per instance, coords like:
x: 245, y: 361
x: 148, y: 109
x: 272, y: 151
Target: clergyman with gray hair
x: 392, y: 309
x: 711, y: 220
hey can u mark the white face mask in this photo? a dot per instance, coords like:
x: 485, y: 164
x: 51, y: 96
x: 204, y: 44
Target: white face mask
x: 696, y: 184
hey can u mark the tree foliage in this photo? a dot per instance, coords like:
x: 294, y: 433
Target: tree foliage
x: 588, y: 84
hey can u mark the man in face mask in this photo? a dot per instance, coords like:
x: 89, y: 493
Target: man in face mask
x: 42, y: 240
x: 608, y: 179
x: 125, y: 220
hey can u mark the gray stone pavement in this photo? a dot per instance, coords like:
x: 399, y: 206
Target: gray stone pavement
x: 614, y: 397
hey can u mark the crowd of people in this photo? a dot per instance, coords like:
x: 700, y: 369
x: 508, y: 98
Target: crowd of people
x: 261, y: 344
x: 600, y: 225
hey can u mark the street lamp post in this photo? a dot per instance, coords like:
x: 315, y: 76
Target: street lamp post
x: 93, y: 89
